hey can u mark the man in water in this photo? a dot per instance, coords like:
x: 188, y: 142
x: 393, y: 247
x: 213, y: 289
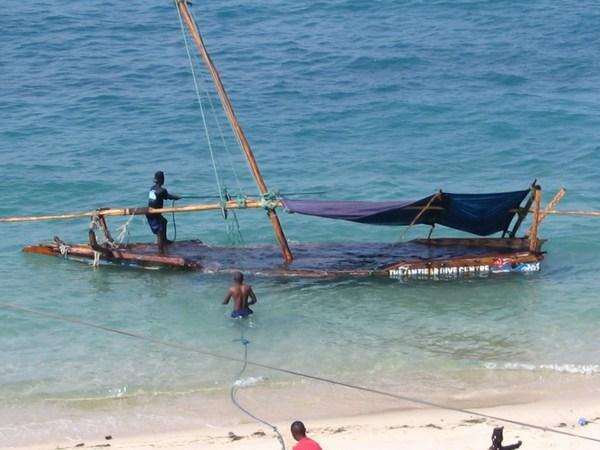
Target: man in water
x: 304, y: 442
x: 240, y: 293
x: 156, y: 197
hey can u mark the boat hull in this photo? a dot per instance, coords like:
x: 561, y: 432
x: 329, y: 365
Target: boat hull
x: 419, y: 259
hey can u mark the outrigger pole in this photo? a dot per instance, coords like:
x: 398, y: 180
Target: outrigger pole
x: 235, y: 125
x: 249, y: 203
x: 135, y: 211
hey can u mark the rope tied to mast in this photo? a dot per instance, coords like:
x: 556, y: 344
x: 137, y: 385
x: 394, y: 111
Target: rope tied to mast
x: 269, y: 200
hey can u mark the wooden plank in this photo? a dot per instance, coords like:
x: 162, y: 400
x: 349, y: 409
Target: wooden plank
x: 507, y: 243
x: 112, y: 255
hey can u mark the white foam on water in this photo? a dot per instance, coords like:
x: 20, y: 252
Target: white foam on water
x: 250, y: 381
x: 582, y: 369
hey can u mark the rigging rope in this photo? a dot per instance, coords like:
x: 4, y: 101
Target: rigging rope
x: 237, y: 138
x: 124, y: 231
x: 174, y: 221
x: 203, y: 83
x: 200, y: 351
x: 233, y: 231
x: 199, y: 98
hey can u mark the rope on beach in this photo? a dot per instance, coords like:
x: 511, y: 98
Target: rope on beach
x: 200, y: 351
x: 233, y: 391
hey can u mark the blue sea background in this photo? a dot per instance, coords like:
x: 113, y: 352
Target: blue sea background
x: 354, y: 99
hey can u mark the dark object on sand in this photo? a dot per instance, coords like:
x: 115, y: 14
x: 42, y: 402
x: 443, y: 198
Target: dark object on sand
x: 498, y: 437
x: 234, y: 437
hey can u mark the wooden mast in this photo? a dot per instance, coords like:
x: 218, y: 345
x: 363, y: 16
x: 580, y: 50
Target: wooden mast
x: 237, y: 128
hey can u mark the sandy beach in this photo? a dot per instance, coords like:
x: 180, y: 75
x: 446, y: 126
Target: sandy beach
x: 420, y: 429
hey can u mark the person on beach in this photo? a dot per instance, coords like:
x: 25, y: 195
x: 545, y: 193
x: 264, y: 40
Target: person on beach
x: 156, y: 197
x: 243, y: 296
x: 304, y: 443
x: 498, y: 437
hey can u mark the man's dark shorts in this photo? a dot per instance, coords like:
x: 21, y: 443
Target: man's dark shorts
x: 244, y: 312
x: 158, y: 224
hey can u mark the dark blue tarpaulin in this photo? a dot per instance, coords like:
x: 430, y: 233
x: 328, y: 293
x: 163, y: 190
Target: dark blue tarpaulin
x: 481, y: 214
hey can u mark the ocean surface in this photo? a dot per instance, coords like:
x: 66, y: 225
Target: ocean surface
x: 340, y: 100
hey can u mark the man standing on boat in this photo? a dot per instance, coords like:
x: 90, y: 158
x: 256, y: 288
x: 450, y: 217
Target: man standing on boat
x: 156, y: 197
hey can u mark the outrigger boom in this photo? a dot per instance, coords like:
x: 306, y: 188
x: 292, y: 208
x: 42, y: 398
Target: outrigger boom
x: 249, y: 203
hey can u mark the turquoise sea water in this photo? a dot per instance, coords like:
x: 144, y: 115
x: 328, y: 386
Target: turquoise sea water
x: 361, y: 100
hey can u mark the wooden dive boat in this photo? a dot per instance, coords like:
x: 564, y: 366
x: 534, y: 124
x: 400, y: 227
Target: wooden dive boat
x: 480, y: 214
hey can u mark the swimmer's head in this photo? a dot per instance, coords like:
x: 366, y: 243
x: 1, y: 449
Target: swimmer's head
x: 238, y: 277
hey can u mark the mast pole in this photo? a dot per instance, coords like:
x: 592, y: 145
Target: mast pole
x: 237, y: 128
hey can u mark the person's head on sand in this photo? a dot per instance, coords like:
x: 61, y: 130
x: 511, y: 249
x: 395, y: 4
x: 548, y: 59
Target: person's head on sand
x: 298, y: 430
x: 238, y: 277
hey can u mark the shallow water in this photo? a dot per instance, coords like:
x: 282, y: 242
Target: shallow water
x: 367, y: 100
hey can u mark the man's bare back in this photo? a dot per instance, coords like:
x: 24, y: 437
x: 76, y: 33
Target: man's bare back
x: 242, y: 295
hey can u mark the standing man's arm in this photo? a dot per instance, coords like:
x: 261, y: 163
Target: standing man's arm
x: 171, y: 196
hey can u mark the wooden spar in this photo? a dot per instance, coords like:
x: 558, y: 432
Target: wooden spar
x: 540, y: 216
x: 231, y: 204
x: 418, y: 216
x: 136, y: 211
x: 237, y: 128
x: 555, y: 200
x: 575, y: 212
x: 533, y: 233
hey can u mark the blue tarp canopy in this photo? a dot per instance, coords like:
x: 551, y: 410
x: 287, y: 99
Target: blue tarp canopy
x: 481, y: 214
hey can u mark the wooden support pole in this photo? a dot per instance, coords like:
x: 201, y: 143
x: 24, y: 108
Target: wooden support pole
x: 232, y: 204
x: 104, y: 227
x: 573, y: 213
x: 555, y: 200
x: 533, y: 233
x: 235, y: 125
x: 548, y: 209
x: 418, y: 216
